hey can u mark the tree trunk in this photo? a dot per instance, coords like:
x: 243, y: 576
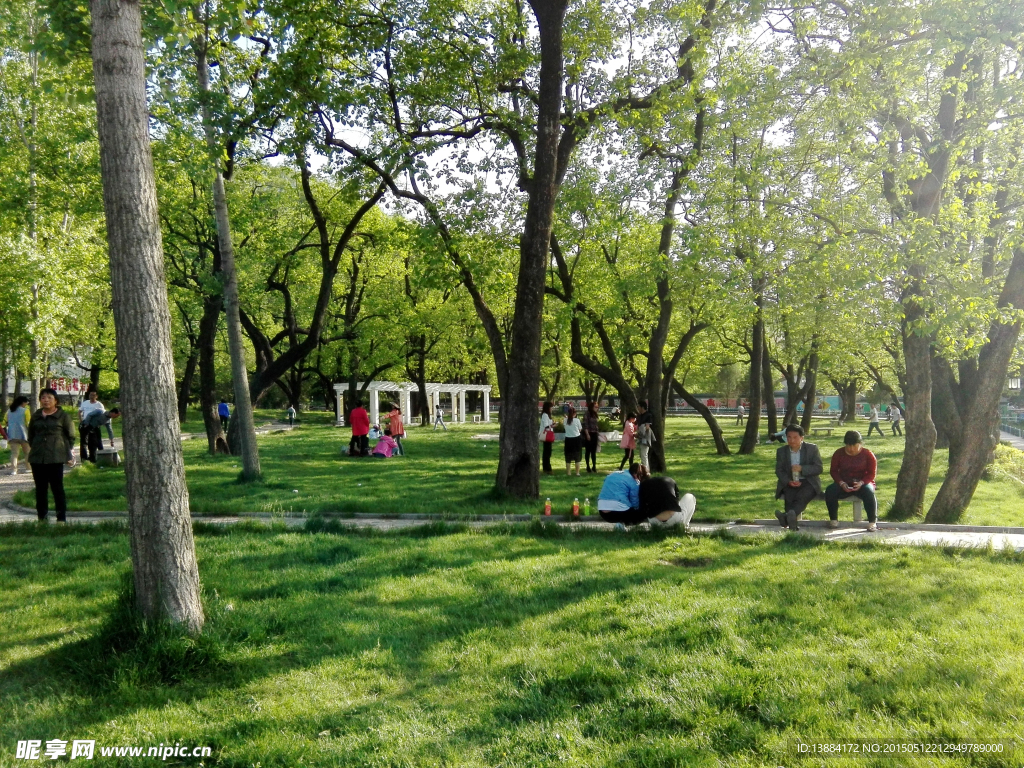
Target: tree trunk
x: 166, y: 575
x: 242, y: 426
x: 945, y: 413
x: 207, y: 343
x: 518, y: 472
x: 4, y: 392
x: 750, y: 435
x: 811, y: 389
x: 981, y: 420
x: 912, y: 480
x: 768, y: 391
x: 185, y: 388
x: 721, y: 447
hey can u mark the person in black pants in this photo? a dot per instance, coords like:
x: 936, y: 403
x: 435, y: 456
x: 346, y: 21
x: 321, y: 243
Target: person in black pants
x: 546, y: 426
x: 798, y: 473
x: 51, y: 435
x: 591, y: 434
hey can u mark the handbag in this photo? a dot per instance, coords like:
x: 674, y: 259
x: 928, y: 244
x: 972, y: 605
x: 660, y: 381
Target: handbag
x: 549, y: 435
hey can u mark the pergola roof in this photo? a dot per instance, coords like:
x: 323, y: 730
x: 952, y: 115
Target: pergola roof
x: 408, y: 386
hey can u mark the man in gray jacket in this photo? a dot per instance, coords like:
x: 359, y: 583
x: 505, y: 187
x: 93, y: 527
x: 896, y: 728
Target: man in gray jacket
x: 798, y: 468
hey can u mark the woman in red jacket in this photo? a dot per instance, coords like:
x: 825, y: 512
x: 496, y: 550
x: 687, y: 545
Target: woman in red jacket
x: 853, y: 472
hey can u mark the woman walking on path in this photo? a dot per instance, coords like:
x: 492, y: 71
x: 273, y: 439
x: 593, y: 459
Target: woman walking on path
x: 573, y: 440
x: 50, y: 435
x: 628, y: 441
x: 591, y: 430
x: 546, y: 436
x: 17, y: 432
x: 397, y: 428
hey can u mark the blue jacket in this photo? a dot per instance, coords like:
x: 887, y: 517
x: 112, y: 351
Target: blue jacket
x: 621, y: 487
x: 222, y: 410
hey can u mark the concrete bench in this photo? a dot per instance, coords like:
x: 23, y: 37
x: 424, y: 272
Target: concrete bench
x: 822, y: 430
x: 858, y: 509
x: 476, y: 418
x: 108, y: 457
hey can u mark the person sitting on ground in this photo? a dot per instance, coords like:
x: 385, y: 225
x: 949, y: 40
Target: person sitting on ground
x: 359, y: 445
x: 385, y: 446
x: 661, y: 504
x: 619, y: 500
x: 798, y: 469
x: 853, y: 472
x: 375, y: 432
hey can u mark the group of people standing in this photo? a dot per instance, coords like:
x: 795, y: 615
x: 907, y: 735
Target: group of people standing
x: 581, y: 437
x: 47, y: 438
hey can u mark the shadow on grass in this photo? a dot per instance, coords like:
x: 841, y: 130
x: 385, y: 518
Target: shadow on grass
x: 389, y: 602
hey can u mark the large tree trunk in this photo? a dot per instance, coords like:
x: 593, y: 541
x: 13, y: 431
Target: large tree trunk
x: 242, y: 426
x: 721, y: 447
x: 163, y: 552
x: 207, y: 343
x: 912, y: 480
x: 518, y: 472
x: 980, y: 425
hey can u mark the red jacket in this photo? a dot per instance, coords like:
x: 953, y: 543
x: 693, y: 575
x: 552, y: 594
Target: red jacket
x: 848, y: 469
x: 360, y: 421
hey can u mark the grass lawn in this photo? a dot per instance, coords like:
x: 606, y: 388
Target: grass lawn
x: 518, y: 647
x: 451, y: 473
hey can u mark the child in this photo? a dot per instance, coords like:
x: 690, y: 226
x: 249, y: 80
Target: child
x: 384, y: 447
x: 628, y: 441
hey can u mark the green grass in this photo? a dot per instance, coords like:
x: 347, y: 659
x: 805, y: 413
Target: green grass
x: 450, y: 473
x: 519, y: 648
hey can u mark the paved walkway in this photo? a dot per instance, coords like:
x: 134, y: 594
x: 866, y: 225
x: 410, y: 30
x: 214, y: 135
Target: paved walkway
x: 1016, y: 442
x: 889, y: 533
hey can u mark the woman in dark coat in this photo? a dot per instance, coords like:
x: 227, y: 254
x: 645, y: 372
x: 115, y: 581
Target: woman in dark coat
x: 51, y: 434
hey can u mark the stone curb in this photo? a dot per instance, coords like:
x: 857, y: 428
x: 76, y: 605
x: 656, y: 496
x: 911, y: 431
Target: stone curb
x: 583, y: 519
x: 884, y: 525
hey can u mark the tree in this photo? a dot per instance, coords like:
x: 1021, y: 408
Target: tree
x: 166, y: 574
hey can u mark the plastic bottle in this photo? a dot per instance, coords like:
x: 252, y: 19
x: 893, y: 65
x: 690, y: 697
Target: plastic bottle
x: 586, y: 507
x: 547, y: 507
x: 576, y: 507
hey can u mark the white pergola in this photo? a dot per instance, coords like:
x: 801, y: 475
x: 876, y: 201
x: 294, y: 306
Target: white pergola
x: 406, y: 388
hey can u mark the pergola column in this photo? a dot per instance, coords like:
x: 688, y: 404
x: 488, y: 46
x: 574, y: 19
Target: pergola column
x: 374, y: 406
x: 340, y: 417
x: 487, y: 405
x: 462, y: 406
x: 403, y: 403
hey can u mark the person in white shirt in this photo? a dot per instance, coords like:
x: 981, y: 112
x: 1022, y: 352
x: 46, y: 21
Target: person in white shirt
x: 573, y: 441
x: 873, y: 420
x: 89, y: 439
x: 897, y: 417
x: 740, y: 413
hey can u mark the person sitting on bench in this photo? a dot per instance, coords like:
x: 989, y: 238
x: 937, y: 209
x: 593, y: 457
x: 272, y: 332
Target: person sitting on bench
x: 853, y: 470
x: 798, y: 469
